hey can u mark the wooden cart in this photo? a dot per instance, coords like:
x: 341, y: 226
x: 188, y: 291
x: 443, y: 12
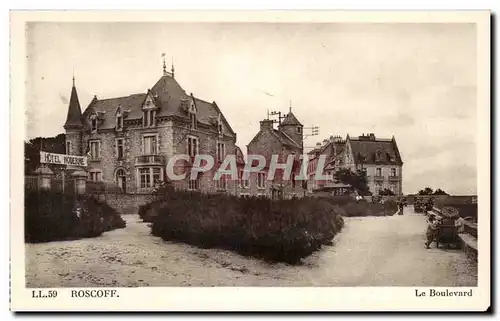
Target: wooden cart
x: 448, y: 232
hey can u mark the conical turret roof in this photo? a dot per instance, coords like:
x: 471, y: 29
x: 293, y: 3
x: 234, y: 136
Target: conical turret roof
x: 74, y: 117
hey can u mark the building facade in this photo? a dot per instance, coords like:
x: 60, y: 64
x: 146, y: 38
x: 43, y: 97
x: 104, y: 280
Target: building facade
x: 129, y: 140
x: 378, y: 158
x: 284, y: 141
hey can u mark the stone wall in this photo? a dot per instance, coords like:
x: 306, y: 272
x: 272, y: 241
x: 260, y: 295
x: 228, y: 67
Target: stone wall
x: 127, y: 203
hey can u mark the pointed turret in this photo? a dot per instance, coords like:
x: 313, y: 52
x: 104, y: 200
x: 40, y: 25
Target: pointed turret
x: 74, y: 117
x: 292, y: 127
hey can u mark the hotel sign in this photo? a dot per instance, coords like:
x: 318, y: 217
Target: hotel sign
x: 62, y: 159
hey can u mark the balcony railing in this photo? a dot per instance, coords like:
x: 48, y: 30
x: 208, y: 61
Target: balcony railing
x: 393, y: 178
x: 150, y: 160
x: 378, y: 178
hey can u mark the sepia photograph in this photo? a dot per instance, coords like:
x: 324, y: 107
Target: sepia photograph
x: 252, y: 153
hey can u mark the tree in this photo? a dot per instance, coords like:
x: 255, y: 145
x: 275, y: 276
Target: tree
x: 386, y: 192
x: 426, y: 191
x: 440, y: 192
x: 357, y: 181
x: 47, y: 144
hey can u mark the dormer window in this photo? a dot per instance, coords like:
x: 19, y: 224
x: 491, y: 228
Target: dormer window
x: 148, y: 118
x: 378, y: 156
x: 93, y: 122
x: 119, y: 119
x: 192, y: 117
x: 220, y: 127
x: 193, y: 122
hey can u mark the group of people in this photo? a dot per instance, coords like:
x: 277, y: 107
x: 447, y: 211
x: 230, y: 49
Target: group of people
x: 402, y: 203
x: 433, y: 228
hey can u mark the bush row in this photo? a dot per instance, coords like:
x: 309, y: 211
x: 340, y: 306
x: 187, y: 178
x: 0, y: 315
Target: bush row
x: 280, y: 230
x: 53, y: 216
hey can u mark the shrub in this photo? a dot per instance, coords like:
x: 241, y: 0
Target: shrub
x: 364, y: 208
x: 149, y: 210
x: 277, y: 230
x: 52, y: 216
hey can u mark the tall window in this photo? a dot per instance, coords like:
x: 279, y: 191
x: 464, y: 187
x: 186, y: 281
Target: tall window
x: 243, y: 183
x: 221, y: 152
x: 95, y: 149
x: 261, y: 180
x: 150, y: 147
x: 145, y: 177
x: 192, y: 146
x: 192, y: 117
x: 299, y: 129
x: 68, y: 148
x: 379, y: 171
x: 149, y: 176
x: 156, y: 175
x: 119, y: 148
x: 148, y: 118
x: 393, y: 172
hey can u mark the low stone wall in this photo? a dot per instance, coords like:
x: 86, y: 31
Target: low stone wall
x: 126, y: 203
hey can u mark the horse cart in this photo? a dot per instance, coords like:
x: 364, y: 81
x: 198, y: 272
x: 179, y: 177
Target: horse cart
x: 447, y: 230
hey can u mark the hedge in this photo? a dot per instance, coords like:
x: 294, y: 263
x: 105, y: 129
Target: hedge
x: 275, y: 230
x: 53, y: 216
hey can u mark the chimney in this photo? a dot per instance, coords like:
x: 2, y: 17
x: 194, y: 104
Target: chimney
x: 372, y: 136
x: 325, y: 142
x: 318, y: 145
x: 332, y: 139
x: 266, y: 124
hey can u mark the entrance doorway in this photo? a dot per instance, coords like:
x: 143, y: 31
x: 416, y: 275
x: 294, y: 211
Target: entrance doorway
x: 121, y: 180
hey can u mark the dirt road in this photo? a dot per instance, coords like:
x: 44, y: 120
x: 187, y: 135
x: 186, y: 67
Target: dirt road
x: 370, y: 251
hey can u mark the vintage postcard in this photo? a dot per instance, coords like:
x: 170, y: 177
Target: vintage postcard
x: 250, y: 161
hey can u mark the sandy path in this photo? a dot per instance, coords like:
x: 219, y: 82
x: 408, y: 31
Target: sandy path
x: 370, y: 251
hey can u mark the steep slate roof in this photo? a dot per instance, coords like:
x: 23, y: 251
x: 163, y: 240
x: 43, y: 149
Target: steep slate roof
x: 290, y: 119
x: 364, y: 151
x: 285, y: 139
x: 167, y: 94
x: 107, y: 108
x: 74, y: 116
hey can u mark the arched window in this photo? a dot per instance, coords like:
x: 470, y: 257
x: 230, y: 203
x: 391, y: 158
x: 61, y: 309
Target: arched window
x: 121, y: 179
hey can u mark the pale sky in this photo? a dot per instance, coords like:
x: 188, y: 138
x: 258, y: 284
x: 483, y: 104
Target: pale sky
x: 414, y: 81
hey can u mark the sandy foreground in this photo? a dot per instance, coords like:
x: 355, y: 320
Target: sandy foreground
x: 370, y: 251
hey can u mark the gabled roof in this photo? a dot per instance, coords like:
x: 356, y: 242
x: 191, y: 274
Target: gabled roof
x: 167, y: 94
x: 290, y: 119
x: 365, y: 150
x: 74, y: 116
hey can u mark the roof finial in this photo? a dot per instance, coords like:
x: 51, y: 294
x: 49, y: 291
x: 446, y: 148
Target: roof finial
x: 164, y: 65
x: 73, y: 77
x: 173, y: 70
x: 290, y: 106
